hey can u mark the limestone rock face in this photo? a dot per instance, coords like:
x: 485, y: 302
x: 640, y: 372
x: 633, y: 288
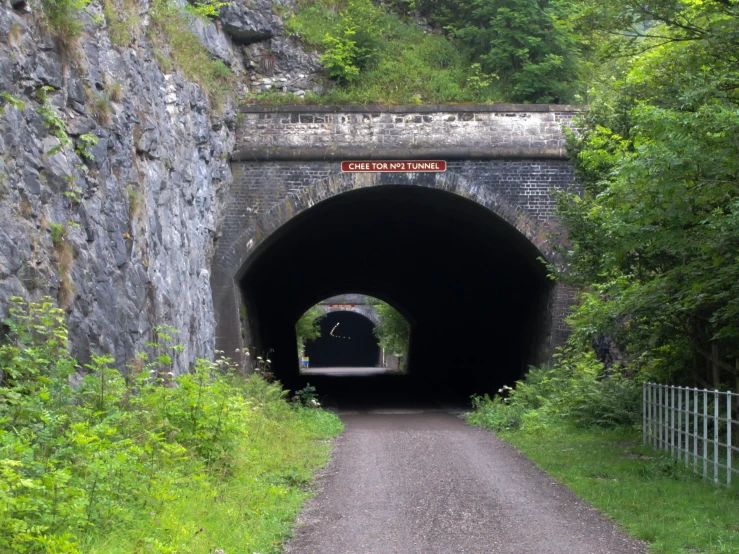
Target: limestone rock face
x: 139, y: 209
x: 136, y: 191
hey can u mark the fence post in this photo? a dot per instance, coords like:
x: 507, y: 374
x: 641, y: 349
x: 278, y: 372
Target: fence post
x: 672, y: 419
x: 679, y: 426
x: 695, y: 429
x: 729, y: 468
x: 715, y: 435
x: 705, y: 433
x: 644, y: 417
x: 661, y: 411
x: 687, y: 425
x: 655, y: 415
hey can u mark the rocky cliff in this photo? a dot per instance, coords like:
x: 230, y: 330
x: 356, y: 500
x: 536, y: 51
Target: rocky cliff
x: 113, y: 167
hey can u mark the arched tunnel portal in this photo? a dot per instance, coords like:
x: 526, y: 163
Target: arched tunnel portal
x: 468, y: 280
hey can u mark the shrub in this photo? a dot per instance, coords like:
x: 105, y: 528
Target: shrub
x: 63, y: 17
x: 101, y: 108
x: 573, y: 390
x: 123, y: 21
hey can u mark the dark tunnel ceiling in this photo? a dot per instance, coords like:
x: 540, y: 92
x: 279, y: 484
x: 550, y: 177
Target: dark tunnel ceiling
x: 346, y: 341
x: 469, y: 283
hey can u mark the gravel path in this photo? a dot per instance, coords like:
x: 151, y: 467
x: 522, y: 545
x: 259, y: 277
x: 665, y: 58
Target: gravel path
x: 407, y: 482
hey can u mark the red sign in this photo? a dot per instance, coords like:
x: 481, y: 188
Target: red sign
x: 394, y: 166
x: 341, y: 306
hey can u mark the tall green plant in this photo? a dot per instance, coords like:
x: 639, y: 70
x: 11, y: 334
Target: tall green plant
x: 64, y: 17
x: 308, y: 327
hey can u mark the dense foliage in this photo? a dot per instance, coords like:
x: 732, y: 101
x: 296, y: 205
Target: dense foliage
x: 532, y: 46
x: 113, y: 463
x: 655, y: 236
x: 478, y: 51
x: 572, y: 390
x: 308, y: 327
x: 393, y: 331
x: 378, y: 57
x: 653, y: 240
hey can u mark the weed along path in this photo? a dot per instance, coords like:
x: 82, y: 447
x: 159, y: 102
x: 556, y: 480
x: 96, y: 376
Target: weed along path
x: 424, y: 482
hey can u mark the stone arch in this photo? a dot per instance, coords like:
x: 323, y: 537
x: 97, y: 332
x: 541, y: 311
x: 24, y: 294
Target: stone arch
x: 361, y: 310
x: 253, y: 239
x: 230, y: 264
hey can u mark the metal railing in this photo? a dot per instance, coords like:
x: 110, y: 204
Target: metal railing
x: 698, y: 426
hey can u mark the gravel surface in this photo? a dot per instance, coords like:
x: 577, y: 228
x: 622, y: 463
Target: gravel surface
x: 422, y: 481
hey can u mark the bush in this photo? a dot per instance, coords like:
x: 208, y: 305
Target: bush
x: 573, y: 390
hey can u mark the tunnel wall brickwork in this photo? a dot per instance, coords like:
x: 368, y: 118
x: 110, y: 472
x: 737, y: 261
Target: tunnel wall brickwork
x: 261, y: 186
x: 508, y: 158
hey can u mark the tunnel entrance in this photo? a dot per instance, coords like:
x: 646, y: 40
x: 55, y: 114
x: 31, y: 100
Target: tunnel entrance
x: 469, y: 283
x: 346, y: 340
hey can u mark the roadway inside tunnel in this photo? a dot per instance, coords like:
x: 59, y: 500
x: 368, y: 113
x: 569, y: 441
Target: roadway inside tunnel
x: 466, y: 280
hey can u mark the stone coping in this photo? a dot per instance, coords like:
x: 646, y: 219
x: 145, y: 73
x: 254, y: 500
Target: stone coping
x: 373, y: 153
x: 420, y: 108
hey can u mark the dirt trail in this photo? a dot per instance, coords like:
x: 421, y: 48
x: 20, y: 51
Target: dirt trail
x: 407, y: 482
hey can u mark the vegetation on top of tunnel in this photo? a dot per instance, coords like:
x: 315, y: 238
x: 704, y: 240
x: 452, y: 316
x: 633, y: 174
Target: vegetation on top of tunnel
x: 93, y: 460
x: 471, y: 51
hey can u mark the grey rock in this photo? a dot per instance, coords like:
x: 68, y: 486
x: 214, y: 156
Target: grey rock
x: 247, y: 21
x: 151, y: 202
x: 48, y: 70
x: 80, y: 126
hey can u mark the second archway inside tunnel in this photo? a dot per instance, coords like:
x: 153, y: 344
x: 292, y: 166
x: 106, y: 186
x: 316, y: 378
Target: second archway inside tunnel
x: 346, y: 340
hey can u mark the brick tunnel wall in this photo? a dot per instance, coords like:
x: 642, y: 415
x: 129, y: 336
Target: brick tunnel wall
x: 518, y: 152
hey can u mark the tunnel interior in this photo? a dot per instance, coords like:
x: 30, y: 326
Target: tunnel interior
x: 469, y: 283
x: 346, y: 340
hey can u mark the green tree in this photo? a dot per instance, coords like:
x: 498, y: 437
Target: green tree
x: 525, y: 43
x: 655, y: 236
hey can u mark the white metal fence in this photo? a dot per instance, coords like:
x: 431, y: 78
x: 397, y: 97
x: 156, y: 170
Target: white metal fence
x: 698, y: 426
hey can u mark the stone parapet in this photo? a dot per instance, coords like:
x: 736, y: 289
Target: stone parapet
x: 469, y: 132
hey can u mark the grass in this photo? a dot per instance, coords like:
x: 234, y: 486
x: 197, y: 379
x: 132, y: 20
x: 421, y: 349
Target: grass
x: 177, y: 46
x: 65, y: 260
x: 399, y: 64
x: 101, y: 108
x: 253, y: 508
x: 123, y: 21
x: 64, y: 19
x: 652, y: 497
x: 203, y: 462
x: 135, y: 200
